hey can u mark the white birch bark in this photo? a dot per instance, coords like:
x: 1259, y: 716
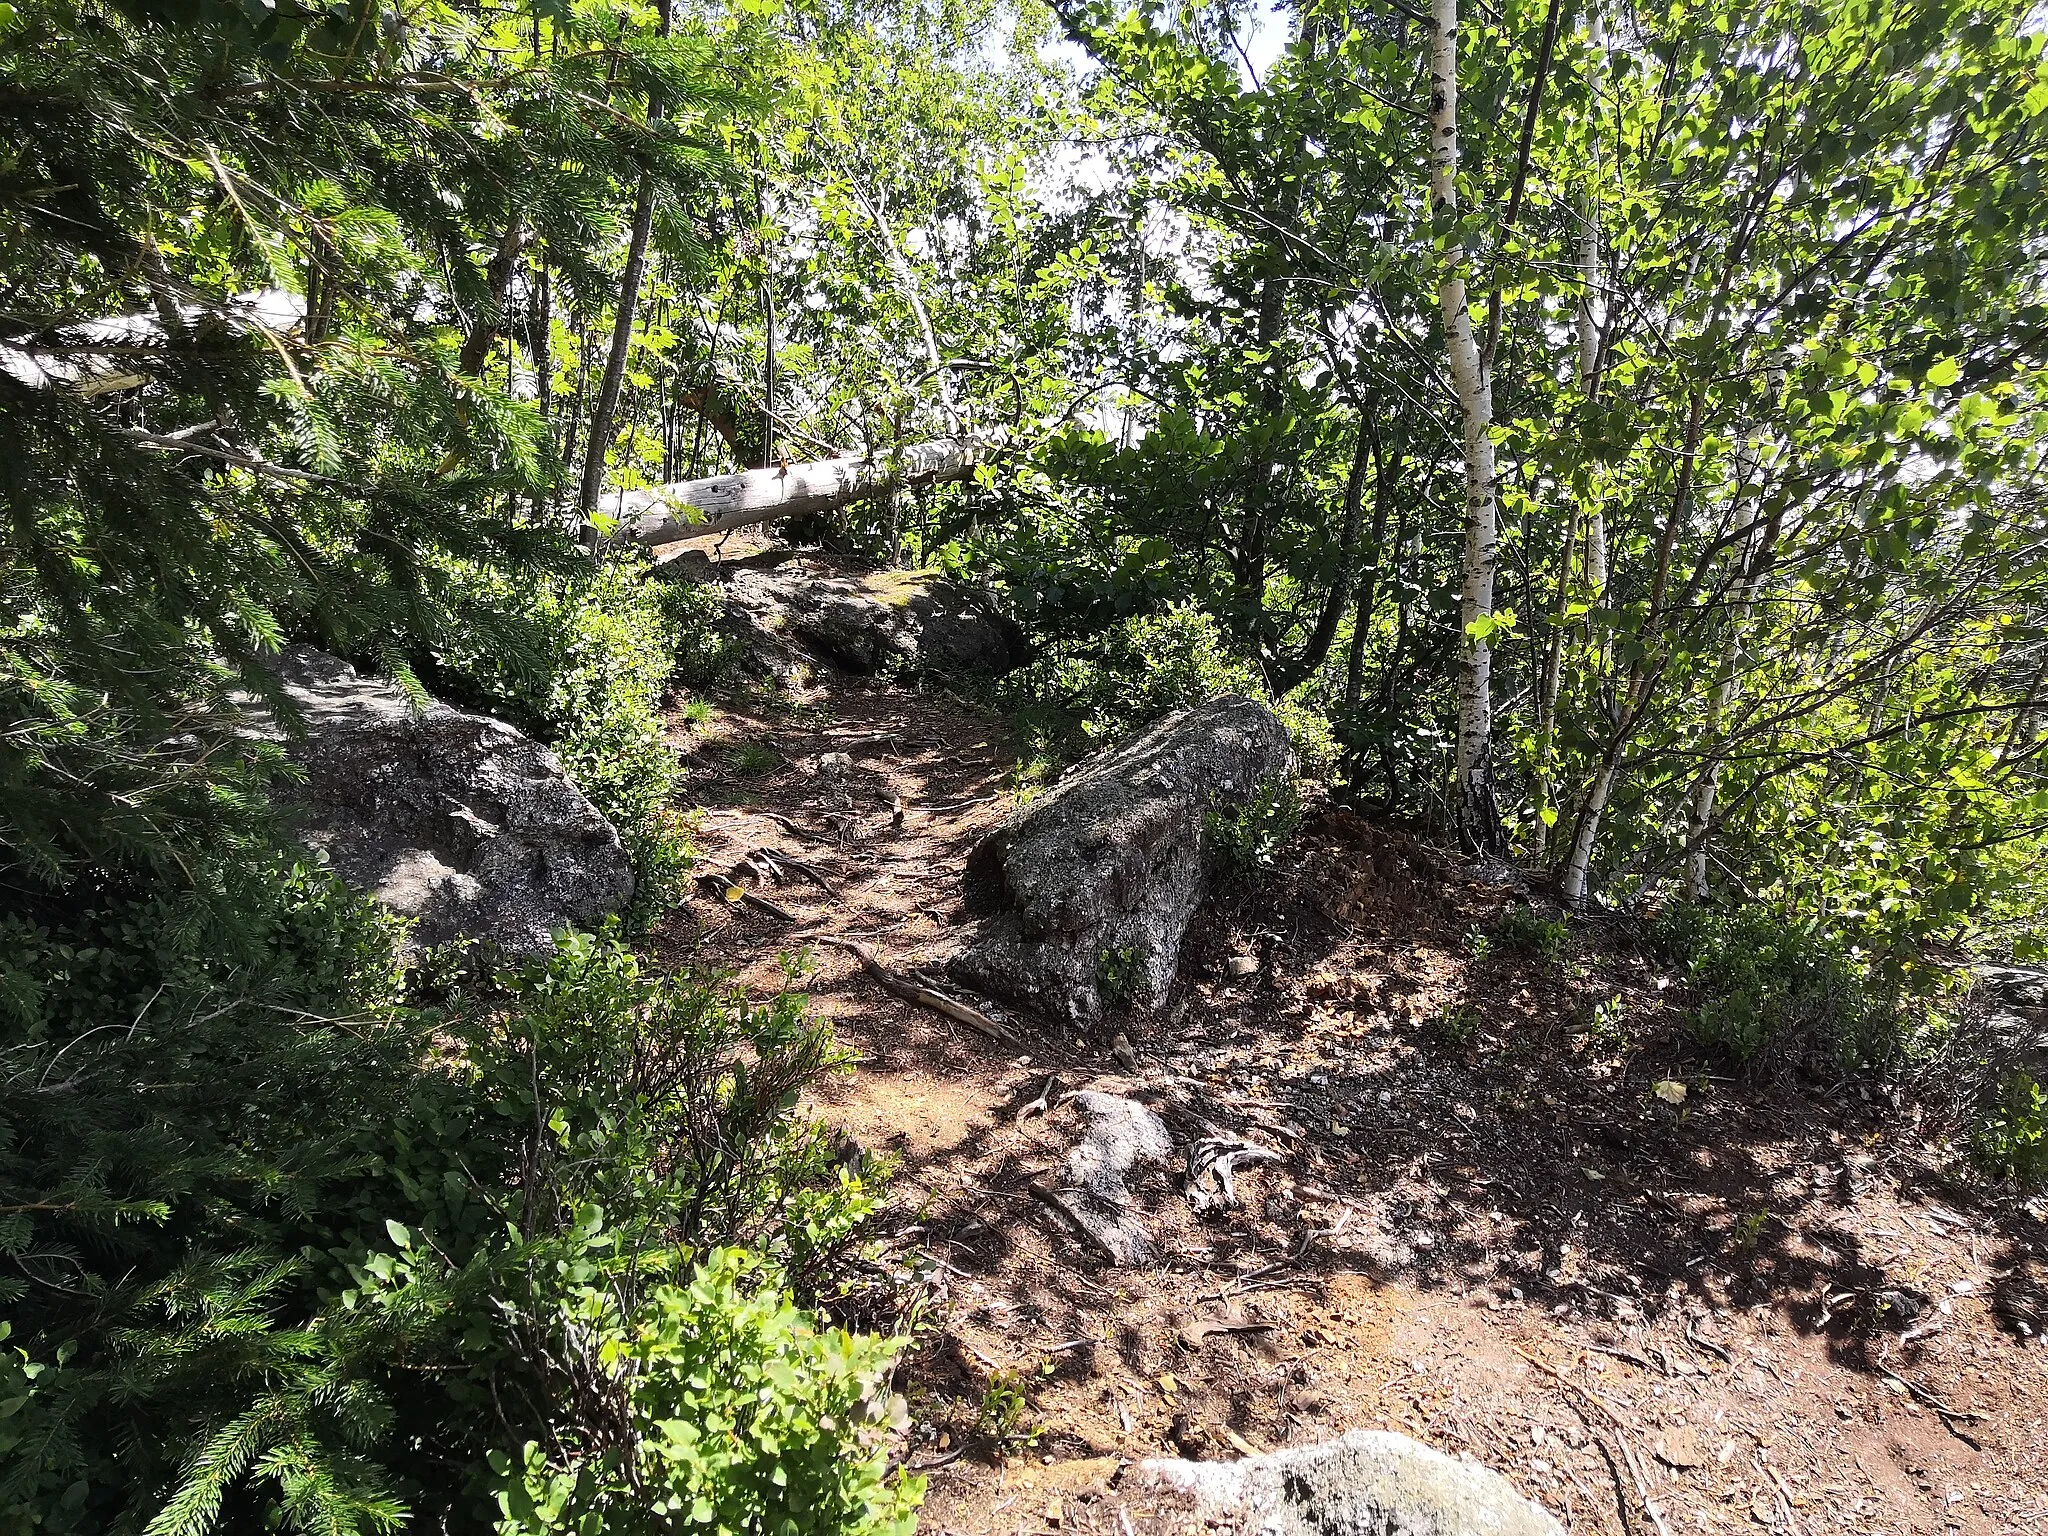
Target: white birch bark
x: 1478, y: 820
x: 1571, y: 886
x: 689, y: 508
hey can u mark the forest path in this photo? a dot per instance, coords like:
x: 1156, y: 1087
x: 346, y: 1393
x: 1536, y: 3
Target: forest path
x: 1487, y: 1231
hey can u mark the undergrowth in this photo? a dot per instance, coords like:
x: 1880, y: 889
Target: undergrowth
x: 1764, y: 978
x: 606, y: 646
x: 1082, y: 694
x: 538, y: 1251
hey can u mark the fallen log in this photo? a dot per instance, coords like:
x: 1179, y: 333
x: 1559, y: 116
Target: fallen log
x: 687, y: 508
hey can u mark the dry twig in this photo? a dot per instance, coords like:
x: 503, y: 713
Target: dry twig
x: 912, y: 992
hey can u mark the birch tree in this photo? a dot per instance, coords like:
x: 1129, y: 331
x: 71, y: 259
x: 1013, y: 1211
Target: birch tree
x: 1478, y: 815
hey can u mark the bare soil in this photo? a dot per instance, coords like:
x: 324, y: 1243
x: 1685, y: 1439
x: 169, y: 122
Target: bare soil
x: 1777, y: 1303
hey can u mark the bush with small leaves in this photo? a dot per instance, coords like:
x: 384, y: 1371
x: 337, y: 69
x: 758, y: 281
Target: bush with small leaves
x: 1246, y: 840
x: 1528, y: 931
x: 283, y: 1254
x: 2012, y: 1143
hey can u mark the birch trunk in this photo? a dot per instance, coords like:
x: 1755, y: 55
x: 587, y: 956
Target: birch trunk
x: 1571, y: 886
x: 724, y: 502
x: 1478, y: 816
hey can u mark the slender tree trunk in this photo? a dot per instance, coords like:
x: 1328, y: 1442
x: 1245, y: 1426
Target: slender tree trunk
x: 598, y: 441
x: 1700, y: 819
x: 484, y: 328
x: 1591, y: 318
x: 1643, y: 672
x: 1368, y: 584
x: 1285, y: 673
x: 1551, y: 682
x: 1478, y: 816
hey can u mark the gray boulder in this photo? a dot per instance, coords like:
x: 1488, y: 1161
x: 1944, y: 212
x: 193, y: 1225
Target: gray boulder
x: 889, y: 621
x: 1089, y: 888
x: 1121, y: 1137
x: 1368, y: 1483
x: 454, y: 820
x: 2013, y: 986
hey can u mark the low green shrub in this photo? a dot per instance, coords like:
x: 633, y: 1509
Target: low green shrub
x: 1081, y: 694
x: 1762, y: 977
x: 2012, y: 1143
x: 281, y: 1252
x: 1116, y: 974
x: 732, y: 1410
x: 602, y: 650
x: 1527, y: 931
x: 1245, y: 840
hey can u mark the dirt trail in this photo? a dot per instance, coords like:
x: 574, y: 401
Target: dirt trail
x: 1766, y: 1307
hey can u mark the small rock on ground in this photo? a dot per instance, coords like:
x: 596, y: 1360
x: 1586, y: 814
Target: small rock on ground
x: 1367, y: 1483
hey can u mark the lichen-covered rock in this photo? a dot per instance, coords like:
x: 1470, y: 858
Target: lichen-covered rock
x: 1367, y: 1483
x: 1089, y: 889
x: 890, y: 621
x: 454, y: 820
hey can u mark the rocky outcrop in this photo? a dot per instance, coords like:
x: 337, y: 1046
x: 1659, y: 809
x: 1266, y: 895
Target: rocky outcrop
x: 898, y: 622
x: 2014, y: 1024
x: 1368, y: 1483
x: 454, y: 820
x: 1085, y: 893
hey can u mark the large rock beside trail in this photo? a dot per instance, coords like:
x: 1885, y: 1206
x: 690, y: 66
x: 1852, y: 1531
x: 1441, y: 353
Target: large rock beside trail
x: 455, y: 820
x: 1089, y: 888
x: 888, y: 621
x: 1367, y: 1483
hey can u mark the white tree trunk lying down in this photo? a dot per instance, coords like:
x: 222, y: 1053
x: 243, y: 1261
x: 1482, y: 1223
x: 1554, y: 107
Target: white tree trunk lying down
x: 665, y: 513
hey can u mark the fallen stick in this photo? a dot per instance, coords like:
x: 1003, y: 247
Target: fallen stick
x: 772, y: 908
x: 1628, y: 1456
x: 956, y: 805
x: 1703, y: 1342
x: 794, y: 830
x: 1950, y: 1417
x: 1041, y: 1105
x: 804, y: 867
x: 924, y: 997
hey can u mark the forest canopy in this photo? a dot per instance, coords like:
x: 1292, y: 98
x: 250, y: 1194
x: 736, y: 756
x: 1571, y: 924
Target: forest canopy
x: 1609, y: 433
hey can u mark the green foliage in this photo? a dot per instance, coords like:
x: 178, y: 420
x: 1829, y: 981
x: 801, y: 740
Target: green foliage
x: 1080, y: 694
x: 595, y: 653
x: 1760, y: 978
x: 2013, y: 1141
x: 752, y: 759
x: 1607, y: 1024
x: 296, y: 432
x: 1004, y: 1413
x: 1117, y: 974
x: 1084, y: 693
x: 1245, y: 841
x: 734, y: 1412
x: 282, y: 1254
x: 1458, y: 1027
x: 1525, y: 930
